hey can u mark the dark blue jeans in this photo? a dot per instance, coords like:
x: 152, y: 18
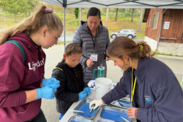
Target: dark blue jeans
x: 39, y: 118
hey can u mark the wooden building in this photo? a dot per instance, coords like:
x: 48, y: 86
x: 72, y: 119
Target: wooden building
x: 163, y: 25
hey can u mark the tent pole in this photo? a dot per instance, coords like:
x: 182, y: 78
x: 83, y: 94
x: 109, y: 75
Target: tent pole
x: 64, y: 28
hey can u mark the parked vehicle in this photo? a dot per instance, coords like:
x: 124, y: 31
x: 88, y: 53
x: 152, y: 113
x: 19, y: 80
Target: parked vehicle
x: 125, y: 32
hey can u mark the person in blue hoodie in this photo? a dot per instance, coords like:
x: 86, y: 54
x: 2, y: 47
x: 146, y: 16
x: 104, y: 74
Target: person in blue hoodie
x: 156, y: 95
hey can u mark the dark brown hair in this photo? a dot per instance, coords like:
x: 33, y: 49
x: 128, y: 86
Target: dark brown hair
x: 72, y: 48
x: 38, y: 19
x: 93, y: 11
x: 124, y: 46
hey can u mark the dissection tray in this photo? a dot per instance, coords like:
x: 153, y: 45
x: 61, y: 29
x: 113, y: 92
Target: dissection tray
x: 114, y: 113
x: 78, y: 119
x: 84, y: 106
x: 123, y: 103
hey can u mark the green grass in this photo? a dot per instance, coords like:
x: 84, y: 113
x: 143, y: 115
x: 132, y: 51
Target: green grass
x: 62, y: 43
x: 123, y: 22
x: 158, y: 53
x: 9, y: 19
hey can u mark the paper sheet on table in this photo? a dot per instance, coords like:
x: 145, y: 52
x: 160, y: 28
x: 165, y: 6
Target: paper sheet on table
x: 91, y: 84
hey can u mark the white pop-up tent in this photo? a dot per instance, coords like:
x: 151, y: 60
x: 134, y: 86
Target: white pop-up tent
x: 174, y: 4
x: 117, y: 3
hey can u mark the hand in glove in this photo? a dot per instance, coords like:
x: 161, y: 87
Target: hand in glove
x: 52, y: 83
x: 88, y: 90
x: 82, y: 95
x: 97, y: 103
x: 45, y: 92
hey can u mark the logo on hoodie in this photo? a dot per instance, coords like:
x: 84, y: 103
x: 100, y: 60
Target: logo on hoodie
x: 148, y: 99
x: 34, y: 65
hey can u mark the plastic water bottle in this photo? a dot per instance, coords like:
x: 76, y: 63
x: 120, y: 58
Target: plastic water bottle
x: 182, y: 82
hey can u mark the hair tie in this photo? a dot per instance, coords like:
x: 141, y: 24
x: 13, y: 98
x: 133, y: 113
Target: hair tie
x: 141, y: 48
x: 48, y: 10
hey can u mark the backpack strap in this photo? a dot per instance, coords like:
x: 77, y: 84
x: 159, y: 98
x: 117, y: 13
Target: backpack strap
x: 19, y: 46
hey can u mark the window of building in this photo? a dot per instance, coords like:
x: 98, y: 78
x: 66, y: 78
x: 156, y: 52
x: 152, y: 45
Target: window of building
x: 155, y: 21
x: 149, y: 22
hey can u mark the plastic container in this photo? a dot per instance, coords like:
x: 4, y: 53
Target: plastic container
x: 103, y: 86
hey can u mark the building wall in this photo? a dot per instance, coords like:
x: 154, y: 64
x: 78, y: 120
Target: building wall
x: 165, y: 47
x: 170, y: 48
x: 151, y: 42
x: 153, y: 33
x: 175, y: 31
x: 172, y: 42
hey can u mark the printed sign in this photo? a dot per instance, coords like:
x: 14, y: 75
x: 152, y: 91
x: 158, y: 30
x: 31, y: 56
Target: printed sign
x: 166, y: 25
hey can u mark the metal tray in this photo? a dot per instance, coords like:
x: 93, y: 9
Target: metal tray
x: 84, y: 106
x: 102, y: 121
x: 76, y: 118
x: 122, y: 103
x: 113, y: 113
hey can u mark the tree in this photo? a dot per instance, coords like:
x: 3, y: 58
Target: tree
x: 58, y: 7
x: 107, y: 16
x: 80, y: 14
x: 116, y: 14
x: 140, y: 18
x: 16, y: 6
x: 132, y: 15
x: 49, y: 5
x: 32, y: 4
x: 76, y: 12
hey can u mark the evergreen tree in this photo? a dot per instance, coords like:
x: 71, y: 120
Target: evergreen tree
x: 76, y: 12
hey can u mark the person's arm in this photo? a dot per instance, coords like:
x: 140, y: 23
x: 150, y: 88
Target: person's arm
x: 5, y: 34
x: 168, y: 106
x: 118, y: 92
x: 77, y: 39
x: 61, y: 93
x: 30, y: 96
x: 11, y: 76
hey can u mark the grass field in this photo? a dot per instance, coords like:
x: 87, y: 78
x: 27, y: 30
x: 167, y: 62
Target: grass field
x: 72, y: 24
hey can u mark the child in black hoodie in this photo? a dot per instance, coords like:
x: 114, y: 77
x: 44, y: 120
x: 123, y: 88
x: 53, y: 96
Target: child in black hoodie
x: 70, y: 74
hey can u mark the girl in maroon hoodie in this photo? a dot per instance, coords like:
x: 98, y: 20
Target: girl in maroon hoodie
x: 22, y: 83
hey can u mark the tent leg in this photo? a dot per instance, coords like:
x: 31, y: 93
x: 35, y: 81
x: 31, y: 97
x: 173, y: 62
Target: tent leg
x: 64, y: 28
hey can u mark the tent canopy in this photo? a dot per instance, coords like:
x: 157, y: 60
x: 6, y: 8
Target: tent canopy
x: 176, y: 4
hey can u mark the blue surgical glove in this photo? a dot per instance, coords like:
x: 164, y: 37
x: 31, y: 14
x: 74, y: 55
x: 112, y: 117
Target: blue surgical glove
x: 45, y: 92
x: 88, y: 90
x: 52, y: 83
x: 82, y: 95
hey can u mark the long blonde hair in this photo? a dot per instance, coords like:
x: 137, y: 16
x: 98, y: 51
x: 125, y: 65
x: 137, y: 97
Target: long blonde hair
x: 124, y: 46
x: 38, y: 19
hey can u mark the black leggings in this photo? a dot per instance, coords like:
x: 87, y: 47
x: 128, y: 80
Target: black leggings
x: 39, y: 118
